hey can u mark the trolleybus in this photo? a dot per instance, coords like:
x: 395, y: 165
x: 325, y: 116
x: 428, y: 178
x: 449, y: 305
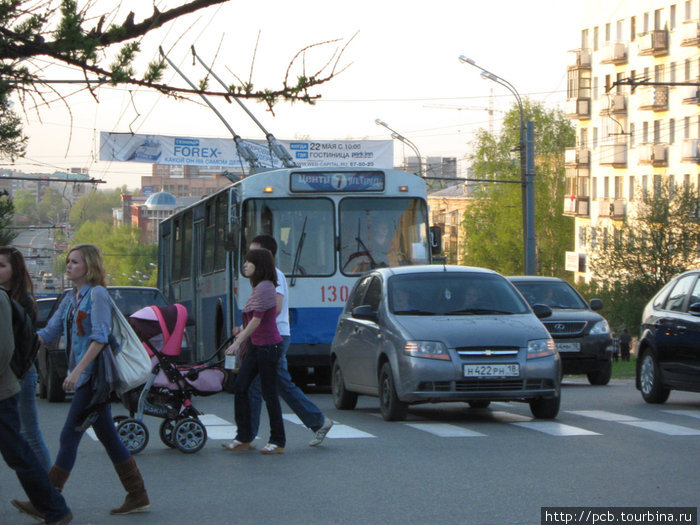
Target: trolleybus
x: 331, y: 225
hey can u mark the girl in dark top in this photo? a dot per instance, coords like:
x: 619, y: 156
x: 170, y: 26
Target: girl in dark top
x: 260, y: 342
x: 15, y: 278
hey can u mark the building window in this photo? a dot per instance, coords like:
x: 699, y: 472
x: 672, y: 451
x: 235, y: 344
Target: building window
x: 672, y: 17
x: 687, y: 10
x: 594, y: 237
x: 633, y: 28
x: 618, y: 30
x: 657, y: 131
x: 671, y: 130
x: 657, y: 19
x: 584, y: 137
x: 607, y: 32
x: 595, y: 88
x: 671, y: 186
x: 686, y: 182
x: 582, y: 236
x: 594, y: 188
x: 672, y: 69
x: 619, y: 190
x: 687, y: 70
x: 631, y: 135
x: 632, y: 189
x: 594, y: 140
x: 645, y: 132
x: 645, y: 183
x: 606, y: 187
x: 595, y: 38
x: 584, y: 39
x: 646, y: 23
x: 657, y: 184
x: 686, y: 128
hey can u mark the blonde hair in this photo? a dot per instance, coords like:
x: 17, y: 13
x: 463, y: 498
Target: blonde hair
x: 96, y: 273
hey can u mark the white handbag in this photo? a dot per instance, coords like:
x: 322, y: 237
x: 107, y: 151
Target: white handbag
x: 130, y: 356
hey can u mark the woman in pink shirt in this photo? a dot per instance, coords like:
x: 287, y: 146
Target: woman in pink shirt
x: 260, y: 345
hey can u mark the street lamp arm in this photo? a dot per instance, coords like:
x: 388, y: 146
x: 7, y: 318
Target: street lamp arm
x: 398, y: 136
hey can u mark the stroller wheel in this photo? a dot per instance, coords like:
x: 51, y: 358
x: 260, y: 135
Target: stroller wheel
x: 166, y: 432
x: 134, y: 434
x: 119, y: 419
x: 189, y: 435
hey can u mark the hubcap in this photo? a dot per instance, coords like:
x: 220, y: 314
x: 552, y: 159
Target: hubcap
x: 647, y: 374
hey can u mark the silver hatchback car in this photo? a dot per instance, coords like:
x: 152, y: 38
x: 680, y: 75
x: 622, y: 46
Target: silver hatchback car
x: 430, y: 334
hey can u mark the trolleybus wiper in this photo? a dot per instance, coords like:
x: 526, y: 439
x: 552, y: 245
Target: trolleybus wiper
x: 276, y: 148
x: 372, y: 262
x: 242, y: 148
x: 297, y: 253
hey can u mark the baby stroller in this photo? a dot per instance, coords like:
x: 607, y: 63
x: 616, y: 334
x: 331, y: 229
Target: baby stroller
x: 167, y: 393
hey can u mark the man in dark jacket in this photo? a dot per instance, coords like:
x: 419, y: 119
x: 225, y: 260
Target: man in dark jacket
x: 14, y: 449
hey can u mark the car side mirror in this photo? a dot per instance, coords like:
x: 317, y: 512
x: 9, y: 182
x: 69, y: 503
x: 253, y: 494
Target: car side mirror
x: 694, y: 309
x: 365, y: 312
x: 542, y: 311
x: 596, y: 304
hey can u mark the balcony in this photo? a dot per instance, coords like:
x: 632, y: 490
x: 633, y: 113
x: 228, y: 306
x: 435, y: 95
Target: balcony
x: 576, y: 206
x: 613, y: 208
x: 616, y: 104
x: 654, y: 98
x: 691, y: 95
x: 691, y: 151
x: 577, y: 157
x: 653, y: 43
x: 582, y: 59
x: 653, y: 154
x: 690, y: 34
x: 614, y: 155
x: 613, y: 53
x: 578, y: 108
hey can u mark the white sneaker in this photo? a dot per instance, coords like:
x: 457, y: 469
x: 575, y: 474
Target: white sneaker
x: 320, y: 434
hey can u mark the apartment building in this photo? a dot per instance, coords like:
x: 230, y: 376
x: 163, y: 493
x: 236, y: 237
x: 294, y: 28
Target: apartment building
x: 634, y: 93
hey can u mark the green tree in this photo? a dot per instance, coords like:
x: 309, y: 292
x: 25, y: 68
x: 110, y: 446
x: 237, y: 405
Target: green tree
x: 26, y: 205
x: 7, y: 211
x: 95, y: 206
x: 127, y: 260
x: 632, y: 260
x: 83, y: 37
x: 493, y: 221
x: 52, y: 207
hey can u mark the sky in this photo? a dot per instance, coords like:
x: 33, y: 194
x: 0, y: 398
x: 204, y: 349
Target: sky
x: 402, y: 67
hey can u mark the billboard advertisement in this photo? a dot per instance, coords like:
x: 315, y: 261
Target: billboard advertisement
x: 214, y: 152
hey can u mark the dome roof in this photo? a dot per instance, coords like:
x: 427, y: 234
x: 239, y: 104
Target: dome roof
x: 162, y: 198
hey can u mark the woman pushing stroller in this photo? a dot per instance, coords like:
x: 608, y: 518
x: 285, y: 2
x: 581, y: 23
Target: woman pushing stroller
x: 259, y: 343
x: 84, y: 316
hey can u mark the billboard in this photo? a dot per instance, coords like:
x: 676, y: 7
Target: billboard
x: 214, y: 152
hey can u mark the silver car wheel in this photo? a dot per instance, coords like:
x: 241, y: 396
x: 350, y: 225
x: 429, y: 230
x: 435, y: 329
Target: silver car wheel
x: 647, y: 374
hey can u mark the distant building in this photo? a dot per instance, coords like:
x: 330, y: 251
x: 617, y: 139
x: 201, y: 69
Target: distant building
x: 629, y: 139
x: 147, y: 212
x: 447, y: 207
x: 187, y: 181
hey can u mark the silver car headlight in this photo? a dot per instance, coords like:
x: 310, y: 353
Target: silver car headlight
x: 427, y: 349
x: 601, y: 327
x: 540, y: 348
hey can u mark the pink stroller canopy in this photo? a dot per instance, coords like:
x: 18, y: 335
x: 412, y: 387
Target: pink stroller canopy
x: 162, y: 327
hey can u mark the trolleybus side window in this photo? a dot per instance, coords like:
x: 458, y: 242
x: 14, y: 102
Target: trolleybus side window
x: 177, y: 249
x: 209, y: 237
x: 187, y: 248
x: 381, y: 232
x: 221, y: 220
x: 303, y: 229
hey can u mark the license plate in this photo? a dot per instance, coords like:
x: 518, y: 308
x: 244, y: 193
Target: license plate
x: 568, y: 347
x: 493, y: 370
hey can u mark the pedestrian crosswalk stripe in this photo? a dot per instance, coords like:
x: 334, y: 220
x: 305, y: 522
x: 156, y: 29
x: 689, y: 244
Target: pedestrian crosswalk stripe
x: 338, y: 431
x: 445, y: 430
x: 509, y: 417
x: 604, y: 415
x: 555, y: 429
x: 688, y: 413
x: 213, y: 420
x: 664, y: 428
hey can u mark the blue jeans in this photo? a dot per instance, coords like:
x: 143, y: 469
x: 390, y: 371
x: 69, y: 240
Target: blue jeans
x: 259, y: 360
x: 29, y: 421
x: 21, y: 458
x: 104, y: 429
x: 301, y: 405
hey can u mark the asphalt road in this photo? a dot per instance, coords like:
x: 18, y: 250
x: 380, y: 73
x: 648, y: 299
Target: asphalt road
x: 446, y: 464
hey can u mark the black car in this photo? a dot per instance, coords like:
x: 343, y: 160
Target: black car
x: 669, y: 345
x: 582, y: 335
x: 53, y: 362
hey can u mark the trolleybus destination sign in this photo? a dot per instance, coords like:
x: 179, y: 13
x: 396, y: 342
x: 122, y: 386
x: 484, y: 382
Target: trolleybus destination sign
x: 328, y: 181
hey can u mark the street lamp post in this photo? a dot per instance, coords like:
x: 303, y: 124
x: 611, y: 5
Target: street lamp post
x: 526, y: 169
x: 398, y: 136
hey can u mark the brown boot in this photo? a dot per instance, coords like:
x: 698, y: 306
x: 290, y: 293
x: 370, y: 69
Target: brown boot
x: 136, y: 496
x: 58, y: 477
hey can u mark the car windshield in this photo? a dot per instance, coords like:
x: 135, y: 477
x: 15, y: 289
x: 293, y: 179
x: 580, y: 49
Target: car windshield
x: 453, y: 293
x: 130, y: 300
x: 553, y: 294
